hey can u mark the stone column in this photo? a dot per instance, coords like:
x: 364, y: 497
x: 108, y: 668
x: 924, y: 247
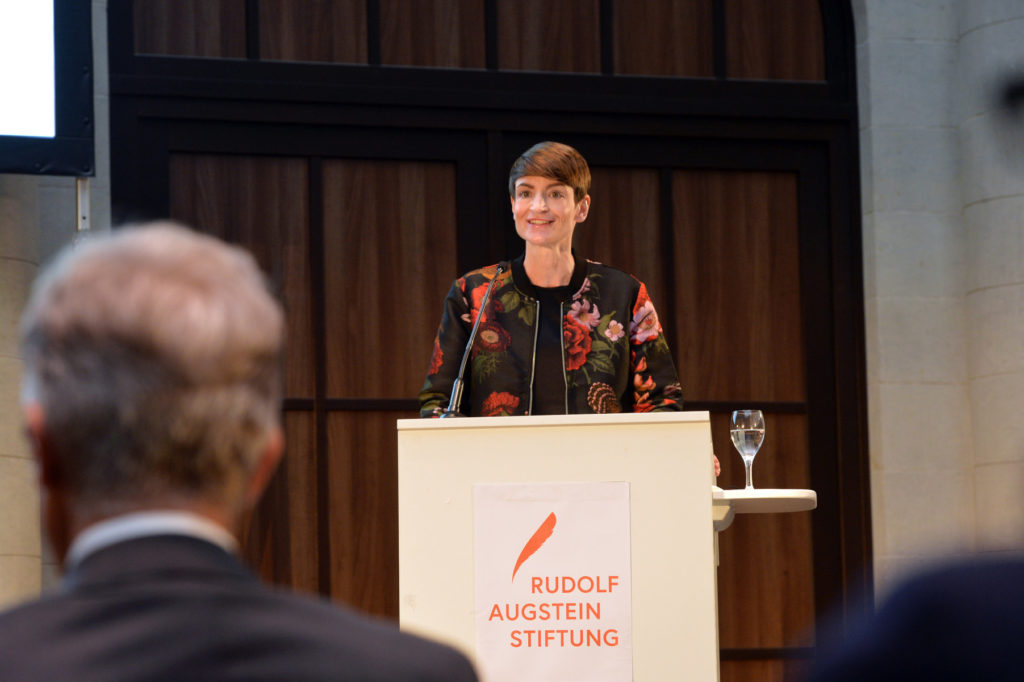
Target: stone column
x: 918, y: 404
x: 992, y: 194
x: 20, y: 543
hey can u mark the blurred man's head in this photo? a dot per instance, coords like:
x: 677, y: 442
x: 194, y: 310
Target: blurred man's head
x: 152, y: 378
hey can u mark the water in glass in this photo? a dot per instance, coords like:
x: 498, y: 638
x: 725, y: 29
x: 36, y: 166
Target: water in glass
x: 747, y: 433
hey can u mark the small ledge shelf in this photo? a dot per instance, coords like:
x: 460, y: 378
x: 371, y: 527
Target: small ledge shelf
x: 726, y: 504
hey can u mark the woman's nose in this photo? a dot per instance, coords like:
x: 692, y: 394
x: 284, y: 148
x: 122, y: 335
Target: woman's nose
x: 539, y: 201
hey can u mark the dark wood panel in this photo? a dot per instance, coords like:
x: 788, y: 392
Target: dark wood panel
x: 194, y: 28
x: 549, y: 35
x: 766, y: 561
x: 389, y: 251
x: 313, y: 31
x: 439, y: 33
x: 363, y: 470
x: 738, y: 285
x: 775, y: 40
x: 280, y: 539
x: 624, y: 226
x: 261, y: 203
x: 763, y: 671
x: 664, y: 38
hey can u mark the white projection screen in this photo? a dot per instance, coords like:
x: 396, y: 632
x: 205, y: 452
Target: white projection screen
x: 46, y: 119
x: 26, y: 69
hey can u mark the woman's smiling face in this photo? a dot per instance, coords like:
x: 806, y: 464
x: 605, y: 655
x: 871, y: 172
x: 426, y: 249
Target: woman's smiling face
x: 546, y: 212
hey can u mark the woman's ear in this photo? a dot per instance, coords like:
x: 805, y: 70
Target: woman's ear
x: 583, y: 209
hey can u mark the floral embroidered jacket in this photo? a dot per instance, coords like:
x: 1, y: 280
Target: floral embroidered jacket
x: 615, y: 356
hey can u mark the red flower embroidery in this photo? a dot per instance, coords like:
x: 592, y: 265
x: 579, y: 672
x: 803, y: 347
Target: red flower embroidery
x: 500, y: 404
x: 576, y: 339
x: 436, y: 358
x: 476, y: 296
x: 493, y: 337
x: 642, y: 384
x: 643, y: 402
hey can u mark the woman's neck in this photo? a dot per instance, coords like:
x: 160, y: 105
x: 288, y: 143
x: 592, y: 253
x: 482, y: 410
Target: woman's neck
x: 548, y: 267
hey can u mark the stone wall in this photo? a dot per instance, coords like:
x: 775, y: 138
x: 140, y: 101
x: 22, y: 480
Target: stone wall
x: 943, y: 258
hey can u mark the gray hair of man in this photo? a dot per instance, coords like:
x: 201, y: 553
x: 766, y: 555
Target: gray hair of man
x: 154, y: 354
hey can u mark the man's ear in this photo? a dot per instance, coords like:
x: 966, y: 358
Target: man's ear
x: 58, y: 521
x: 265, y: 466
x: 34, y: 420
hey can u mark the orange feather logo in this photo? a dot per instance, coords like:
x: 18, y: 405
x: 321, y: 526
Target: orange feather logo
x: 539, y: 537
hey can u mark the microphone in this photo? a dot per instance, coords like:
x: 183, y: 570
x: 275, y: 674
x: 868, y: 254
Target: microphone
x: 455, y: 400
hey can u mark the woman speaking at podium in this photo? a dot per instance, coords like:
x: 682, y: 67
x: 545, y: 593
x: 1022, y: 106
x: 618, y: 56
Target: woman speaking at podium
x: 550, y: 332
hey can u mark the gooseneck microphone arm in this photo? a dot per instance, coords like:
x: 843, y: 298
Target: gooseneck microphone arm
x: 456, y: 398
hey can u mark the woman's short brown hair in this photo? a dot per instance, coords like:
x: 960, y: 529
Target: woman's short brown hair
x: 553, y: 160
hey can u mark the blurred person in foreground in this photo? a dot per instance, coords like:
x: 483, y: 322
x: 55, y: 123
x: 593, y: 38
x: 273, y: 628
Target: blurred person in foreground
x: 961, y: 621
x: 151, y: 399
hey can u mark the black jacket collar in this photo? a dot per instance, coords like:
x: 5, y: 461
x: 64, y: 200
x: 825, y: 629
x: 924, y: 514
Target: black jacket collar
x: 154, y: 555
x: 523, y: 283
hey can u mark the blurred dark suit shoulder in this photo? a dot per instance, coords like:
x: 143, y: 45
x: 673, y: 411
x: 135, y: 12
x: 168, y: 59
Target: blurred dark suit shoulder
x: 179, y: 608
x: 961, y: 621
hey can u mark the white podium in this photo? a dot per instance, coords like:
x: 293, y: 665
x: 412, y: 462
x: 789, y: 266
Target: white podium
x: 666, y: 460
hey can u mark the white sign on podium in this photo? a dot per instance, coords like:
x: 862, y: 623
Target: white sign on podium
x: 553, y: 582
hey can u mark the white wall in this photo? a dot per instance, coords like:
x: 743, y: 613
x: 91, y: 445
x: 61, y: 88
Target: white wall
x: 943, y: 271
x: 992, y: 195
x: 20, y: 547
x: 37, y: 217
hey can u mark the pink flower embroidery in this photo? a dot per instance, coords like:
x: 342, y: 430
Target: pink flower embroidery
x: 644, y: 326
x: 615, y: 331
x: 584, y: 288
x: 585, y: 313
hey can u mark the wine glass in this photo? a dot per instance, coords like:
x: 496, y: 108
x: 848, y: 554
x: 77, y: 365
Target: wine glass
x: 747, y: 433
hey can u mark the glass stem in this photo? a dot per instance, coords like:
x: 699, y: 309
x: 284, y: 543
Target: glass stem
x: 749, y: 466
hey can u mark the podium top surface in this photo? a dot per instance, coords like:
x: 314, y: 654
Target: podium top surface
x: 766, y: 500
x: 630, y: 418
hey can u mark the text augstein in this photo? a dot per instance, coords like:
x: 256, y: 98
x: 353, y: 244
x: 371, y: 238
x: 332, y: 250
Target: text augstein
x: 546, y: 611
